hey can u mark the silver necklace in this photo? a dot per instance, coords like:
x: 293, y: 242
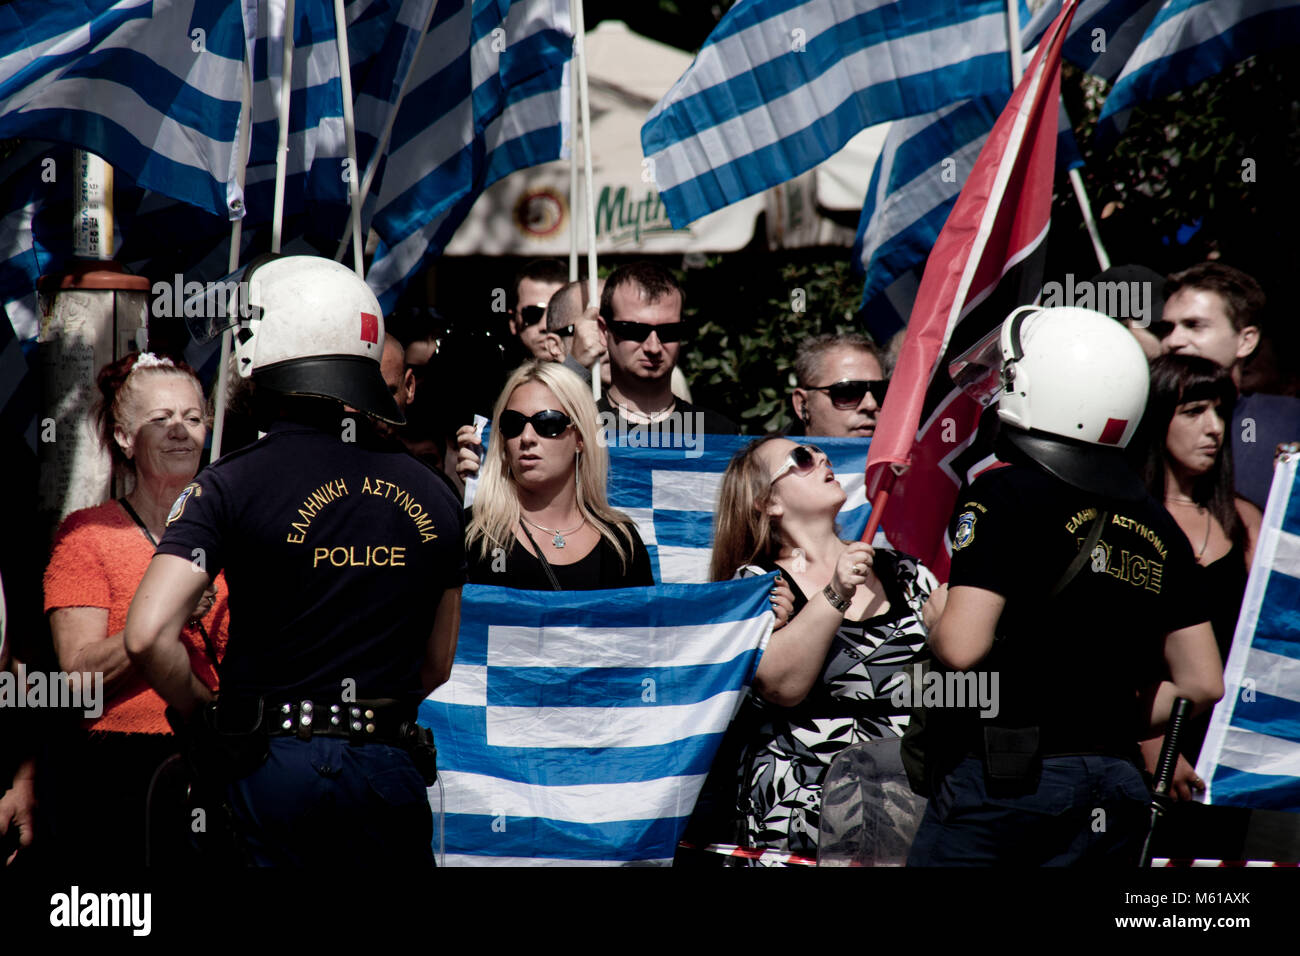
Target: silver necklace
x: 558, y: 540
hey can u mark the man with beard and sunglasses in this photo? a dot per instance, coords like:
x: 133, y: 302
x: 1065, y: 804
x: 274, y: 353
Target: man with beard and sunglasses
x: 841, y: 386
x: 641, y: 319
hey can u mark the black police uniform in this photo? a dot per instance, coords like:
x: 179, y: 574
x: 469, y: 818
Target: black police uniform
x: 336, y: 554
x: 1069, y: 665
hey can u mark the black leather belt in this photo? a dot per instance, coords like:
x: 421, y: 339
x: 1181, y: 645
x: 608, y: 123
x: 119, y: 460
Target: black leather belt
x: 386, y: 722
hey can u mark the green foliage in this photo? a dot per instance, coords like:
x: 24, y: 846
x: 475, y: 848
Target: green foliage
x: 745, y: 327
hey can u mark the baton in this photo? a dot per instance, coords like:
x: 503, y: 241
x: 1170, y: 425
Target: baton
x: 1182, y: 710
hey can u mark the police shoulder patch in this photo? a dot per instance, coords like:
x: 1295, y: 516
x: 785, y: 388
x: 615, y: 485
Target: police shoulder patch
x: 178, y: 506
x: 965, y: 533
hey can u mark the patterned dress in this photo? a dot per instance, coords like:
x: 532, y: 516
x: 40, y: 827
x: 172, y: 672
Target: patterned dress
x: 790, y: 752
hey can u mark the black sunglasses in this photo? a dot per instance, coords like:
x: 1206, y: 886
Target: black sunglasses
x: 849, y: 394
x: 532, y: 314
x: 548, y: 424
x: 801, y: 460
x: 640, y: 331
x: 563, y: 331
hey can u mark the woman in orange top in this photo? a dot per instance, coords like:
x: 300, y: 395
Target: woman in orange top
x: 153, y: 419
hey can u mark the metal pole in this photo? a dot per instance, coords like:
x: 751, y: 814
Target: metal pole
x: 282, y: 147
x: 350, y: 135
x: 573, y: 171
x: 1013, y: 43
x: 236, y: 238
x: 580, y: 54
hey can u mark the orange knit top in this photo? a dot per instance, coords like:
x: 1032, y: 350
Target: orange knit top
x: 100, y: 555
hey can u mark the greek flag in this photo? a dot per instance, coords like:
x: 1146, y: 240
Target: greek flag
x: 152, y: 86
x: 488, y: 95
x: 925, y: 159
x: 578, y: 727
x: 671, y: 494
x: 1251, y: 756
x: 1190, y: 40
x: 780, y: 85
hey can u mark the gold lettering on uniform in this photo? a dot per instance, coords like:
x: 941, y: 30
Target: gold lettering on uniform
x: 318, y: 554
x: 312, y: 505
x: 1138, y: 571
x: 1079, y: 519
x: 1157, y: 571
x: 397, y: 557
x: 365, y: 487
x: 295, y: 539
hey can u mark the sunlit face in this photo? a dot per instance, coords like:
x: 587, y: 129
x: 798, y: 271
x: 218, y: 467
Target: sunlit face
x: 163, y: 429
x: 535, y: 461
x: 823, y: 418
x: 399, y: 379
x: 814, y: 491
x: 1199, y: 325
x: 1195, y: 437
x: 652, y: 360
x: 533, y: 335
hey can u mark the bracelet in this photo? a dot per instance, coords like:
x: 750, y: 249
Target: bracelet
x: 840, y: 604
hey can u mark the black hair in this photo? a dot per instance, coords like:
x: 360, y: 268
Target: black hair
x: 549, y: 271
x: 1177, y: 380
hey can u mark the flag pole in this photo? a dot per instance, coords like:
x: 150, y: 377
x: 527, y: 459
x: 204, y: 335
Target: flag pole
x: 236, y: 241
x: 573, y: 169
x: 1085, y: 207
x: 382, y: 144
x: 584, y: 104
x: 350, y: 135
x: 1013, y: 43
x: 282, y: 146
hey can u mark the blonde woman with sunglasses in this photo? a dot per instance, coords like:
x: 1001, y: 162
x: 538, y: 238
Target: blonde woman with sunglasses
x: 540, y: 518
x: 860, y: 617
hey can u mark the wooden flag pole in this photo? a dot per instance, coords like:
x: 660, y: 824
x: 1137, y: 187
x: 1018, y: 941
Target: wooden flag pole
x: 584, y: 104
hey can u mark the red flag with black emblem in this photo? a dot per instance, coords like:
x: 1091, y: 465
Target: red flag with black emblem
x: 987, y: 260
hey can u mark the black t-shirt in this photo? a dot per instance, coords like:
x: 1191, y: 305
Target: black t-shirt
x: 599, y: 570
x: 684, y: 422
x: 1072, y: 664
x: 336, y: 556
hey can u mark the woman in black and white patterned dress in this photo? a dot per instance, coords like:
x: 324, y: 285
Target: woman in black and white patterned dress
x: 860, y: 616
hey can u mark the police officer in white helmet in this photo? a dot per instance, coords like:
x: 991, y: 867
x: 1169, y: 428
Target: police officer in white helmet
x: 345, y: 562
x: 1067, y: 581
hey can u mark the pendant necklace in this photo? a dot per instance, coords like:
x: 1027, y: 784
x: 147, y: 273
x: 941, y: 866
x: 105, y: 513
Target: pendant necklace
x: 1188, y: 501
x: 558, y: 540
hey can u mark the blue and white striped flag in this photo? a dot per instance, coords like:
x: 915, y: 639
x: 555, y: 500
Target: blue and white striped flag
x: 1251, y: 756
x: 488, y: 95
x: 578, y: 727
x: 780, y: 85
x: 1190, y: 40
x: 926, y: 159
x: 152, y: 86
x: 672, y: 496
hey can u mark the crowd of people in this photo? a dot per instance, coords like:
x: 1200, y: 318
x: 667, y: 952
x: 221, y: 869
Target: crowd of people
x: 348, y: 567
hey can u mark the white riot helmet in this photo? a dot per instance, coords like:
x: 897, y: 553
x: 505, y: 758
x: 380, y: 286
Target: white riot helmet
x: 1074, y: 387
x: 317, y: 330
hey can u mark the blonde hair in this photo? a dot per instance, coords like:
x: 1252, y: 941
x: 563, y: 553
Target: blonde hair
x: 496, y: 503
x: 743, y: 531
x: 118, y: 384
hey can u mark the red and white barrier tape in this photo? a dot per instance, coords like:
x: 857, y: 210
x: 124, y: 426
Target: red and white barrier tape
x: 1165, y: 861
x: 752, y: 853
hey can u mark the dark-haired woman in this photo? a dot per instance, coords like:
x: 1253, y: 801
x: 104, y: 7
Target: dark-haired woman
x: 153, y: 419
x: 1188, y: 465
x: 860, y: 618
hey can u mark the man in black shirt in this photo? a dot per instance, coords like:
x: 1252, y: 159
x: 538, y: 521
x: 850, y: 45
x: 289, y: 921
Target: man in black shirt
x: 345, y: 558
x: 1066, y: 579
x: 641, y: 319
